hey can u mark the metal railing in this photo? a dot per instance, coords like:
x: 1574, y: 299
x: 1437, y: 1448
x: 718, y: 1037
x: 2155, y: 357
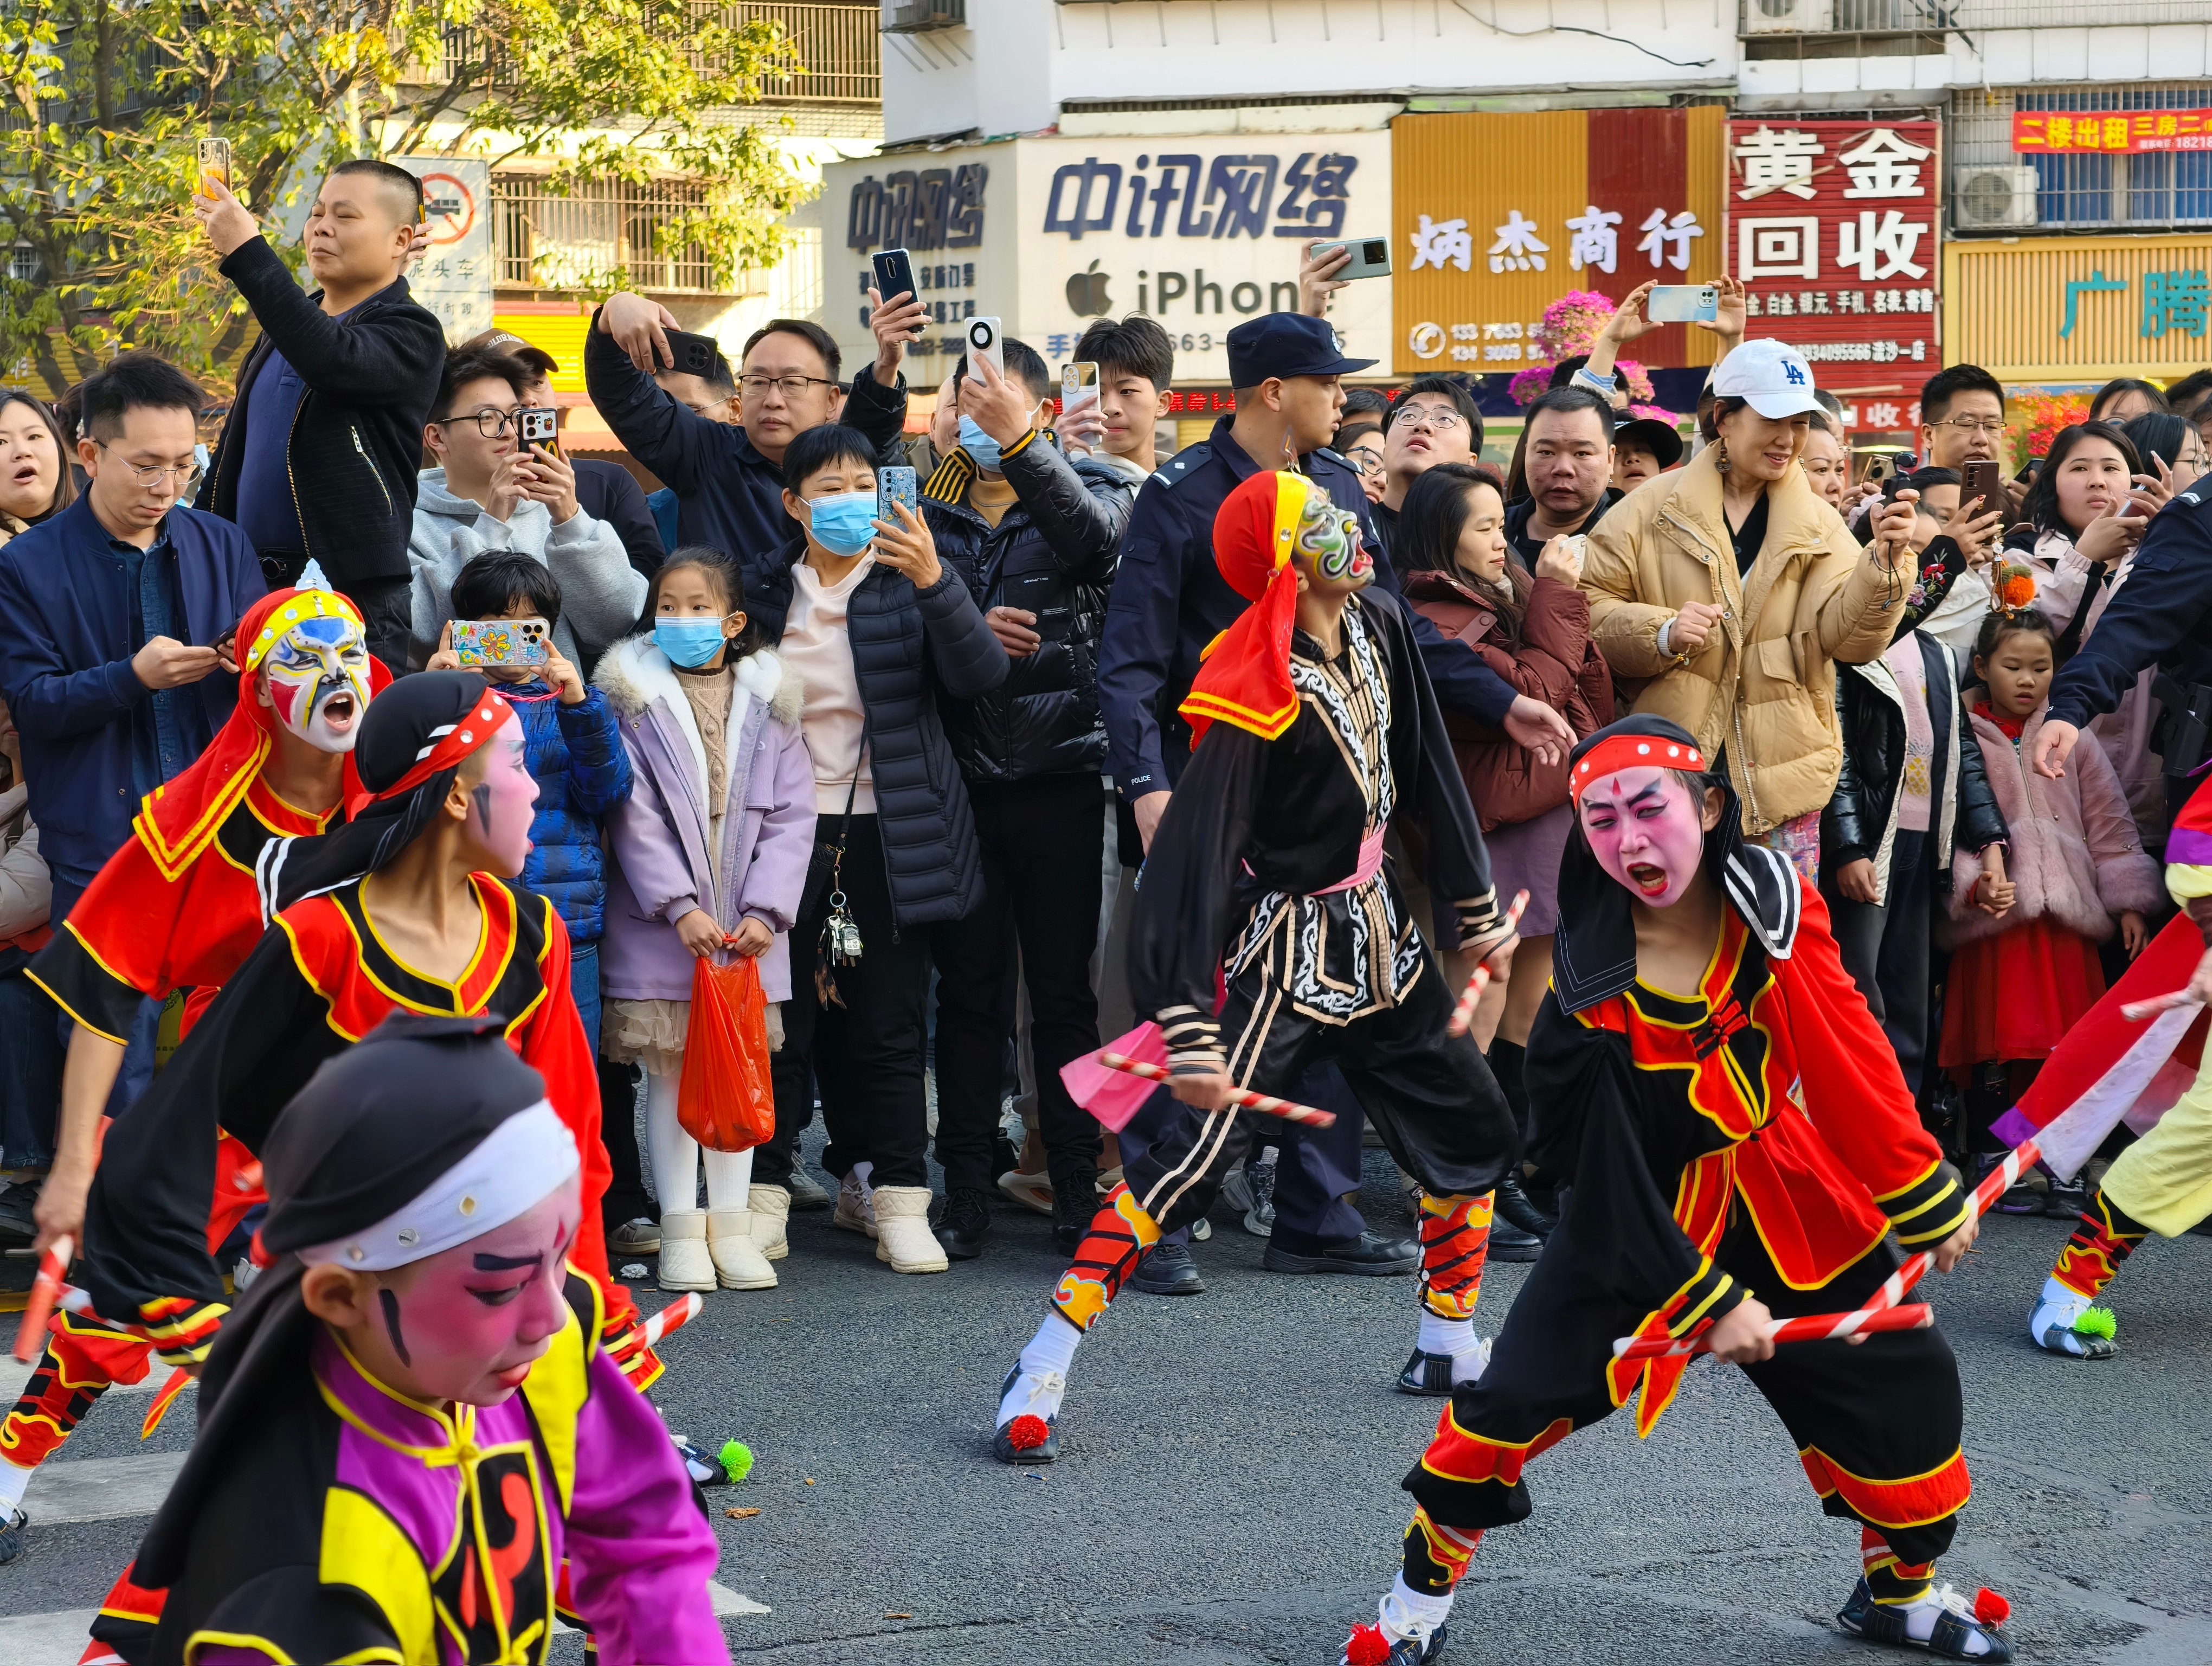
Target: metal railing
x: 547, y: 241
x: 2155, y: 192
x: 1766, y: 18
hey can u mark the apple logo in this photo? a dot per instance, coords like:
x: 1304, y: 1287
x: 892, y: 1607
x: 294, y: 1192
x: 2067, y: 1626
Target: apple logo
x: 1086, y: 293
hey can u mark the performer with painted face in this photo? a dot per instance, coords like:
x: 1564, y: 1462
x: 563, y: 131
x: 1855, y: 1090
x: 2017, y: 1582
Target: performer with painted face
x: 179, y: 907
x: 1316, y: 724
x: 410, y: 1445
x: 1738, y: 1143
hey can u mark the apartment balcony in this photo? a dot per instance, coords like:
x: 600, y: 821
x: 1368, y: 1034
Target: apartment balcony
x: 1814, y: 22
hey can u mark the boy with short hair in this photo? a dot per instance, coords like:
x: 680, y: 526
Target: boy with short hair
x: 1136, y: 363
x: 571, y: 748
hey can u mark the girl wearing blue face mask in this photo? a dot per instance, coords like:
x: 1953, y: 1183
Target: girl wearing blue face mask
x: 711, y: 853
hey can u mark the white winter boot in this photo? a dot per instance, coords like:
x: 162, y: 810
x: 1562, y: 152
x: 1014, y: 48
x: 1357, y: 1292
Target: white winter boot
x: 684, y: 1261
x: 902, y: 1234
x: 737, y: 1261
x: 771, y: 1212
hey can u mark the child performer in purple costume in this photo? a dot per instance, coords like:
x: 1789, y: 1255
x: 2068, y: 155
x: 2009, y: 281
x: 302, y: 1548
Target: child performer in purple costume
x: 411, y: 1446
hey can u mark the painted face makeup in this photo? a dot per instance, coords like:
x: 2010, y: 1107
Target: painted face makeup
x: 503, y: 804
x: 318, y: 680
x: 1647, y: 831
x: 468, y: 1323
x: 1328, y: 545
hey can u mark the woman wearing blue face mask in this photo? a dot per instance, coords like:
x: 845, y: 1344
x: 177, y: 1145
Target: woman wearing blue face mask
x: 874, y: 629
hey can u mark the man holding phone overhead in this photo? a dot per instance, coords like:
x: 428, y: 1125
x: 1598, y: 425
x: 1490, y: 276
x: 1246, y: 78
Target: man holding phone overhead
x: 728, y: 478
x: 318, y: 456
x: 1034, y: 539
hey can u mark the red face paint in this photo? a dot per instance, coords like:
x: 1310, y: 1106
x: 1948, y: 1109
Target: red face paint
x: 1647, y: 831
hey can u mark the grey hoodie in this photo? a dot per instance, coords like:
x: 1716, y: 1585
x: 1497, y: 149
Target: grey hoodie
x: 601, y: 593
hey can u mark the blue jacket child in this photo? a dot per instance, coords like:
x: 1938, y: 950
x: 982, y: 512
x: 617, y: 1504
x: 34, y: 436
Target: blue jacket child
x: 574, y: 750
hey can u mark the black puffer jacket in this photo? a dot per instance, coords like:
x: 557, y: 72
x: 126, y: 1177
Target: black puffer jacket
x: 1054, y: 553
x: 907, y: 645
x: 1861, y: 820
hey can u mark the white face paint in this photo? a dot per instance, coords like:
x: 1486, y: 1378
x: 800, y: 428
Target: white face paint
x: 316, y: 674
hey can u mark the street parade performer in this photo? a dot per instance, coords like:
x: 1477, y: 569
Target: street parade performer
x: 410, y: 1445
x: 1315, y: 724
x: 179, y: 907
x: 2155, y: 1076
x: 1739, y: 1143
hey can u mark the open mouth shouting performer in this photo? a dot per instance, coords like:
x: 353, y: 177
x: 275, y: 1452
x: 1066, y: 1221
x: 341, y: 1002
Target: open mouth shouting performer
x: 1316, y: 722
x: 1738, y: 1143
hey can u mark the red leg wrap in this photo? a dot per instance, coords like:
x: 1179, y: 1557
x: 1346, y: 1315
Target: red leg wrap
x: 1120, y: 1234
x: 2105, y: 1237
x: 1455, y: 1242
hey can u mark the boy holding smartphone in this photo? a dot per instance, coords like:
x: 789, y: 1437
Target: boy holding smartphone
x: 1136, y: 365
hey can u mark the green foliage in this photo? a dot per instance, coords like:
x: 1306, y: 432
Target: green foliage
x: 105, y: 101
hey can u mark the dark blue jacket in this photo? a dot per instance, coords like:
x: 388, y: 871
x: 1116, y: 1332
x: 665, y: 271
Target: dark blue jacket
x: 1170, y: 601
x: 65, y: 652
x: 576, y: 755
x: 728, y: 496
x: 2162, y: 617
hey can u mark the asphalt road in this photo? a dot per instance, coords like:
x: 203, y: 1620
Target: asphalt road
x: 1227, y: 1493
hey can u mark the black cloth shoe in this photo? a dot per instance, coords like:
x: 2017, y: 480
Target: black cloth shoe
x: 1404, y: 1653
x: 14, y: 1535
x: 1074, y: 1204
x: 1954, y: 1628
x: 1509, y: 1243
x: 1429, y: 1374
x: 1017, y: 1441
x: 1169, y: 1270
x: 1515, y: 1205
x: 1370, y: 1255
x: 965, y: 1220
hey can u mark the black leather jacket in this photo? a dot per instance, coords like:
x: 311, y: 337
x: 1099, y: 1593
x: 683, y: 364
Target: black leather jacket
x: 1053, y: 552
x: 1857, y: 821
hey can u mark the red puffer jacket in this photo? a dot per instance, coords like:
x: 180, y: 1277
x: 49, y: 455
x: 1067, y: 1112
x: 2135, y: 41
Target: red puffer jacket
x: 1554, y: 661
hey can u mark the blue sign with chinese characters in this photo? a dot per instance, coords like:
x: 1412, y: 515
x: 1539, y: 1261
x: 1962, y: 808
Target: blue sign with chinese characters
x: 1184, y: 195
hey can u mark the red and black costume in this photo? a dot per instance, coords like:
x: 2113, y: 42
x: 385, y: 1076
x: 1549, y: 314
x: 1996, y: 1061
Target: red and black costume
x: 1750, y: 1136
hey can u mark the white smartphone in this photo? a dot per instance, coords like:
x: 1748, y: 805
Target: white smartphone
x: 1371, y: 257
x: 214, y: 159
x: 1078, y: 386
x: 985, y: 342
x: 1683, y: 303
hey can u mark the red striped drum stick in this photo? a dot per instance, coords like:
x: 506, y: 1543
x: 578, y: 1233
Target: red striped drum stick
x: 1999, y: 1182
x: 1463, y: 1014
x: 1811, y: 1327
x: 46, y: 1291
x: 1264, y: 1103
x: 674, y: 1316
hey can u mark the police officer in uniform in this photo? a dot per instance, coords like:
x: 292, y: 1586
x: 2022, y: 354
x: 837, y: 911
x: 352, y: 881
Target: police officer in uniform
x: 2162, y: 618
x: 1169, y: 602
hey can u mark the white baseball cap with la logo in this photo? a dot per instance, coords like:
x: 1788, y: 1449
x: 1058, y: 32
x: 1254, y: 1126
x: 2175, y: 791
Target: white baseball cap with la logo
x: 1769, y: 376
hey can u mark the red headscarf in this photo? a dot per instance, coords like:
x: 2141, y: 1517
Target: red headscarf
x: 1246, y: 677
x: 177, y: 819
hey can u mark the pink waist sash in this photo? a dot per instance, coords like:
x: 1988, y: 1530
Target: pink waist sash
x: 1370, y: 864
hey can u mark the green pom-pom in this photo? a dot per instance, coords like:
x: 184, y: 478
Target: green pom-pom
x: 737, y: 1460
x: 2097, y: 1321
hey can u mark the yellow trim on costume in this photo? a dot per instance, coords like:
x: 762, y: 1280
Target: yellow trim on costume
x: 260, y: 1645
x: 1268, y: 725
x: 75, y: 1017
x: 555, y: 1390
x: 1918, y: 1179
x: 363, y: 1547
x: 307, y: 977
x: 173, y: 860
x: 457, y: 1428
x: 1290, y: 500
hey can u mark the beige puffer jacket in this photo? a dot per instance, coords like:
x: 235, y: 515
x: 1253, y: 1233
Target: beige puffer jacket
x: 1763, y: 686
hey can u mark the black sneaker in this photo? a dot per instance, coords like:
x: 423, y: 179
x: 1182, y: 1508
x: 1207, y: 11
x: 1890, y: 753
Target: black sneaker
x: 965, y: 1218
x: 1074, y: 1205
x: 16, y: 1203
x: 1168, y: 1270
x: 2067, y: 1199
x: 14, y: 1535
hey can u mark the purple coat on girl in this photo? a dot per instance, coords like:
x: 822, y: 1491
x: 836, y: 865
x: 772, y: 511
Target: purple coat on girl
x: 660, y: 834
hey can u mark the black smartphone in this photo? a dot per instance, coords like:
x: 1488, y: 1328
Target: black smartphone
x: 1045, y: 595
x: 894, y: 274
x: 1985, y: 480
x: 694, y: 354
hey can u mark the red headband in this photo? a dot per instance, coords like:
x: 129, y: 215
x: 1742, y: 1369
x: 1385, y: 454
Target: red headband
x: 1631, y: 751
x: 450, y: 744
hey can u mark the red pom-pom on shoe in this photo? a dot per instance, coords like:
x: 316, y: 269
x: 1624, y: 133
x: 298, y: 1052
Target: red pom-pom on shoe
x: 1027, y: 1433
x: 1368, y: 1647
x: 1989, y: 1608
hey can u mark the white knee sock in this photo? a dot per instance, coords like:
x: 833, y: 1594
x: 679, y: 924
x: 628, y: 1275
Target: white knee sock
x: 1406, y: 1612
x: 15, y: 1482
x: 729, y: 1178
x: 675, y: 1154
x: 1455, y: 1338
x: 1042, y: 1380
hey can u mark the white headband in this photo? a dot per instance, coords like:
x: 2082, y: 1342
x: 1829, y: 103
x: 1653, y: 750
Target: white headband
x: 516, y: 1168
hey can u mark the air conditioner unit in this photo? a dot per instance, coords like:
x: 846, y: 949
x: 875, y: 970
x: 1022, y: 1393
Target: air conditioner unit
x: 1989, y: 199
x: 920, y: 16
x: 1788, y: 16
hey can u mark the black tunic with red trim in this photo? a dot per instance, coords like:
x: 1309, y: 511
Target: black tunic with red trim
x: 1750, y: 1138
x: 318, y: 981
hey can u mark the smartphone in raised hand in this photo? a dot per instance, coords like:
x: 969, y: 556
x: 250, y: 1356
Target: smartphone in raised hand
x: 213, y: 164
x: 1683, y: 303
x: 539, y: 425
x: 1983, y: 479
x: 1078, y: 386
x: 893, y: 271
x: 1370, y: 257
x: 897, y: 486
x: 986, y: 341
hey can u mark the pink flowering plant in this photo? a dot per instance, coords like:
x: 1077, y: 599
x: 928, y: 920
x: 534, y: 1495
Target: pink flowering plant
x: 1571, y: 324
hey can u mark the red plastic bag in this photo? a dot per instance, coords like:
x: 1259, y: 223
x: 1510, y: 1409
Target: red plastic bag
x: 725, y: 1101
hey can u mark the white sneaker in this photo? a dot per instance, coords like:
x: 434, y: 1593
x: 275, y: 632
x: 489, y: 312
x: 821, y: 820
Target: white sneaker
x: 771, y: 1212
x: 1032, y: 1191
x: 739, y: 1263
x: 686, y: 1263
x: 903, y: 1237
x: 856, y: 1209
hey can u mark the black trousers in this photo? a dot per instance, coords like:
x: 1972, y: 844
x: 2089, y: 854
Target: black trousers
x: 627, y: 1199
x: 1885, y: 947
x: 864, y: 1049
x: 1429, y: 1096
x: 1043, y: 841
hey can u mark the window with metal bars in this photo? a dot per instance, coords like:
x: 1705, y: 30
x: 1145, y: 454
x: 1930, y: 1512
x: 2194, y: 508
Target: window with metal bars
x: 2142, y: 192
x: 546, y: 240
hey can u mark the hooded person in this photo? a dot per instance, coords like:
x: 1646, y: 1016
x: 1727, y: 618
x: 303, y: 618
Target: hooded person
x: 411, y: 1446
x: 1316, y: 723
x: 1736, y: 1144
x: 179, y: 907
x: 411, y: 906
